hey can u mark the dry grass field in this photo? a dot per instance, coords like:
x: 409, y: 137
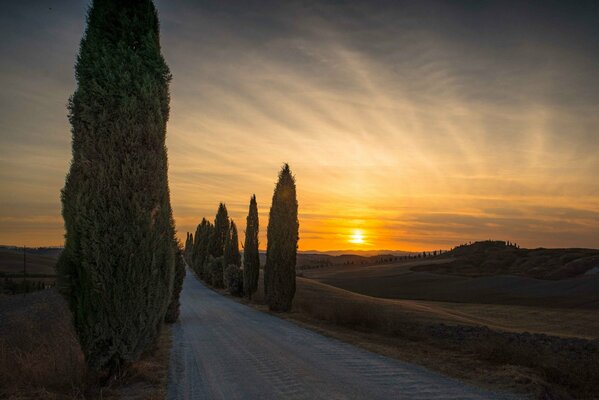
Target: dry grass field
x: 467, y: 311
x: 40, y: 357
x: 38, y: 262
x: 539, y: 352
x: 406, y: 280
x: 582, y: 323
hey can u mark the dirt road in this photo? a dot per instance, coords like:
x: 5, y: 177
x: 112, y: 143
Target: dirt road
x: 226, y: 350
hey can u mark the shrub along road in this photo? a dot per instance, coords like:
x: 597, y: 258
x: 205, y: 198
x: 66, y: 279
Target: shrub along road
x: 225, y: 350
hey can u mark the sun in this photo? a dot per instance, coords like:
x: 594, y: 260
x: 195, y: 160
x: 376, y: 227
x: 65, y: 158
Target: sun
x: 357, y: 237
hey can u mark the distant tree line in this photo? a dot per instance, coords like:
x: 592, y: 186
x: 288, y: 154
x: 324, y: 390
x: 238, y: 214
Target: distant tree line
x: 499, y: 243
x: 371, y: 260
x: 213, y: 251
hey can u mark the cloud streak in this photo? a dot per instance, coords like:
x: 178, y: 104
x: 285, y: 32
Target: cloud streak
x: 408, y: 121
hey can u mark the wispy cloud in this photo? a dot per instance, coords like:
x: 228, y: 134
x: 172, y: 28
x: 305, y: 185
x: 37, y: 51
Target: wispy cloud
x: 417, y: 124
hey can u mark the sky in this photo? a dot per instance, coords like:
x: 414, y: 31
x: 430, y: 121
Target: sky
x: 408, y: 125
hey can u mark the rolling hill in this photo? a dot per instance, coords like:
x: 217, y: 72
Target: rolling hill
x: 485, y: 272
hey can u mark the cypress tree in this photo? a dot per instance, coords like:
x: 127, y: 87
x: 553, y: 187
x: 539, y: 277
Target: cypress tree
x: 281, y: 248
x: 251, y: 256
x: 118, y: 263
x: 200, y: 247
x: 205, y: 249
x: 188, y: 248
x: 220, y: 232
x: 172, y: 312
x: 196, y: 245
x: 231, y: 251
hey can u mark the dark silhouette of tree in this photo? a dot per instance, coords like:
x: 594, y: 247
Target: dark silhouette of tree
x: 220, y: 232
x: 172, y: 312
x: 251, y: 255
x: 214, y: 272
x: 200, y: 247
x: 118, y: 263
x: 188, y: 252
x: 281, y: 248
x: 231, y: 252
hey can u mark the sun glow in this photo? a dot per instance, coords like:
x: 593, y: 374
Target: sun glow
x: 357, y: 237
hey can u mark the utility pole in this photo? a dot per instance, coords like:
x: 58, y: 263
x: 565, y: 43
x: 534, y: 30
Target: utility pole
x: 24, y: 268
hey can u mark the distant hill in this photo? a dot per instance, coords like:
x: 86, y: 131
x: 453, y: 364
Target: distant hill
x: 364, y: 253
x: 309, y: 260
x: 485, y: 272
x: 489, y: 258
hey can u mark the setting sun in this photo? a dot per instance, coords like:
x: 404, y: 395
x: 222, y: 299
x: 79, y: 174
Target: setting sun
x: 357, y: 237
x: 299, y: 199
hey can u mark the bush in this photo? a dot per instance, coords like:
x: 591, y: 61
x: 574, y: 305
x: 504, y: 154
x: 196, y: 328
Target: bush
x: 233, y: 277
x: 215, y: 272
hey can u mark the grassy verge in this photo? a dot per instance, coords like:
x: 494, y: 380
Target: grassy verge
x: 40, y: 357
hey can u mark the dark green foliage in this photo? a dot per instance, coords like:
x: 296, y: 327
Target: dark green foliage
x: 221, y: 230
x: 200, y: 247
x: 206, y: 275
x: 172, y: 312
x: 214, y: 272
x: 281, y: 248
x: 188, y: 252
x: 117, y: 267
x: 233, y: 278
x: 231, y: 253
x: 251, y: 256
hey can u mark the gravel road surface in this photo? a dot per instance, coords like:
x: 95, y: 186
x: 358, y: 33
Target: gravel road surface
x: 226, y: 350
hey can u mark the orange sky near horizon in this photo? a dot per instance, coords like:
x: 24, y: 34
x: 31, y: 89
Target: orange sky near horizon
x: 421, y: 136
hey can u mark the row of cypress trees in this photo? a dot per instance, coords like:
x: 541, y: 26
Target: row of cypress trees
x: 213, y: 252
x: 122, y: 268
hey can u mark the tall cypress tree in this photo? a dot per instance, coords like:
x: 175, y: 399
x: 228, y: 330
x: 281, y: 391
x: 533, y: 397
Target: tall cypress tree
x: 231, y: 252
x: 172, y: 312
x: 251, y: 256
x: 219, y: 234
x: 188, y: 248
x: 281, y: 248
x: 200, y: 247
x: 118, y: 264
